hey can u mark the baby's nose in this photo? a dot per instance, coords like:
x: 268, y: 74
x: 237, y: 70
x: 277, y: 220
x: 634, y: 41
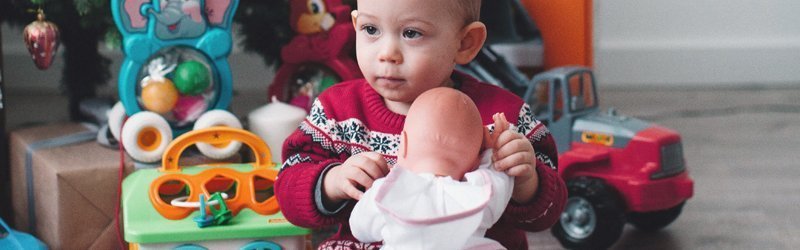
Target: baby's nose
x: 390, y: 53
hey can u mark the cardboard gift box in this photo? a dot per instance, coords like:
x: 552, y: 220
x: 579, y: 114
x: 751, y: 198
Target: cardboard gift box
x: 74, y: 186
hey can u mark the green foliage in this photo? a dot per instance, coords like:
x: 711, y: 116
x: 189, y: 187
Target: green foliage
x: 264, y: 24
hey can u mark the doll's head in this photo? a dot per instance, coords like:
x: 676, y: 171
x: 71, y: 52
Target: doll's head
x: 442, y: 134
x: 407, y: 47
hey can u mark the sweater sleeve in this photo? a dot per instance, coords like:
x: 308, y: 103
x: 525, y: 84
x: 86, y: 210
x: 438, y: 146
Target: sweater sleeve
x: 545, y: 208
x: 305, y: 162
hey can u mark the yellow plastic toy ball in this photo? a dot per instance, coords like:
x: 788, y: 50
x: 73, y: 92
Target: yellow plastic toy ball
x: 159, y: 97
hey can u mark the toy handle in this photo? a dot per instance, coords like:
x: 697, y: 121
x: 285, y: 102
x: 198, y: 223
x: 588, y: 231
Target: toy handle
x: 216, y: 135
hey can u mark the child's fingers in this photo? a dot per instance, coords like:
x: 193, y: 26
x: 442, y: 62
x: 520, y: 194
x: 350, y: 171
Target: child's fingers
x: 374, y: 171
x: 510, y: 142
x: 371, y: 163
x: 351, y: 191
x: 521, y: 171
x: 505, y: 162
x: 377, y: 160
x: 372, y: 168
x: 360, y: 177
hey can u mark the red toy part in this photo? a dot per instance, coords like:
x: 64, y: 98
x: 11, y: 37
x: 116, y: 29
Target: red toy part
x: 636, y: 188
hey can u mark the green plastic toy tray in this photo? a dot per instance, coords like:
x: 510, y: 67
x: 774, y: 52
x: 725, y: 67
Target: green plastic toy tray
x: 143, y: 224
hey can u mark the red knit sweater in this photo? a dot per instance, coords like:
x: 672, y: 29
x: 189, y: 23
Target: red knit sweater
x: 350, y: 118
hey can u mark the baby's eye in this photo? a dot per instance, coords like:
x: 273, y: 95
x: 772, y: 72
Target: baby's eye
x: 371, y: 30
x: 411, y: 34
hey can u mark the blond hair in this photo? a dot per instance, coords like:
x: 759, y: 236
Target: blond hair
x: 469, y: 9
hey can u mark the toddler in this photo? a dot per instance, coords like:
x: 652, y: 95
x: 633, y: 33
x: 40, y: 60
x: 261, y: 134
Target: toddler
x: 352, y: 135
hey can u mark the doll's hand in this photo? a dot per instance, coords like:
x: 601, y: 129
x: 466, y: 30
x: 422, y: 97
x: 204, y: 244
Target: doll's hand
x: 357, y: 173
x: 514, y: 155
x: 500, y: 125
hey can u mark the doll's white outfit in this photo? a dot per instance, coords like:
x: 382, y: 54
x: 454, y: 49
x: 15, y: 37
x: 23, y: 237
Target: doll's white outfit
x: 406, y: 210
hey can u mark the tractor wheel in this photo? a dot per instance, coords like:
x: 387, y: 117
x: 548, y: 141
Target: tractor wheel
x: 652, y: 221
x: 593, y: 217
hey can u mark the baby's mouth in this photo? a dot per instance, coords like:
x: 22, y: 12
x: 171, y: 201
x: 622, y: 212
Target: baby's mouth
x: 390, y: 82
x: 391, y: 78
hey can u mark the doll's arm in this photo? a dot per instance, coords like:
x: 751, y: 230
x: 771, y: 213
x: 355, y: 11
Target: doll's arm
x: 500, y: 125
x: 366, y: 220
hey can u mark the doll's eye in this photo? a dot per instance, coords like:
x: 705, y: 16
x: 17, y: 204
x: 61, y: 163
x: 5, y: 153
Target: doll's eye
x: 411, y: 34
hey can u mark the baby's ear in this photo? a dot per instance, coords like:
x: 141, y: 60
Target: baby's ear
x: 354, y: 17
x: 472, y: 38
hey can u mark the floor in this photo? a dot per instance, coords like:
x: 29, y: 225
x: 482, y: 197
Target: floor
x: 740, y: 145
x: 741, y: 150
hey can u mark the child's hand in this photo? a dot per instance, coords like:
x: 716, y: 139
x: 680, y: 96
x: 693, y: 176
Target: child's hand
x: 514, y: 155
x: 357, y: 173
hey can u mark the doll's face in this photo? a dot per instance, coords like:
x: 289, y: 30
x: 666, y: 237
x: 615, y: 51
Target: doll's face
x: 406, y: 47
x: 442, y: 134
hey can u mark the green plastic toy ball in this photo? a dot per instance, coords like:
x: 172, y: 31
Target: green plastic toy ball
x: 191, y: 78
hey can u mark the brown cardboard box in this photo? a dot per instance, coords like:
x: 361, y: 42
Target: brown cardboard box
x: 74, y: 189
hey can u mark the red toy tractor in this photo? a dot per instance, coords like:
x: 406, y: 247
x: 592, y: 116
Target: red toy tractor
x: 617, y: 169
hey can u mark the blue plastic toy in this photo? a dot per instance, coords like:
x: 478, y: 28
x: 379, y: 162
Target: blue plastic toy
x: 175, y: 70
x: 203, y: 219
x: 13, y: 239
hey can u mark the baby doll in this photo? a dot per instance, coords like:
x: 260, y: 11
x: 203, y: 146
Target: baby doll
x: 443, y: 193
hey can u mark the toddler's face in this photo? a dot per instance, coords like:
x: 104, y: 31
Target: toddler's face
x: 405, y: 47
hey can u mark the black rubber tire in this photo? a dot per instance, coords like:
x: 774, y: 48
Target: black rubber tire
x: 653, y: 221
x: 608, y: 213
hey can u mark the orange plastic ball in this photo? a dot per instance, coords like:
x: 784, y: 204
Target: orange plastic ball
x: 159, y: 97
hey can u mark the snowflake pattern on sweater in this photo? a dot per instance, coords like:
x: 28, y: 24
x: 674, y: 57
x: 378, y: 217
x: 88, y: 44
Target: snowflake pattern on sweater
x: 346, y: 245
x: 353, y: 137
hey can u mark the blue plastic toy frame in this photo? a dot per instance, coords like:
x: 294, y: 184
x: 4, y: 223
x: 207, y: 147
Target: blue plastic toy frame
x: 140, y: 42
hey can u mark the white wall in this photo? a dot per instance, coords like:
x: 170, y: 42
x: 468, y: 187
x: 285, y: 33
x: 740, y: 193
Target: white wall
x: 697, y: 42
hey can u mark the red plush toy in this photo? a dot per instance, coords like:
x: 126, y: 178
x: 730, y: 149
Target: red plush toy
x: 323, y: 28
